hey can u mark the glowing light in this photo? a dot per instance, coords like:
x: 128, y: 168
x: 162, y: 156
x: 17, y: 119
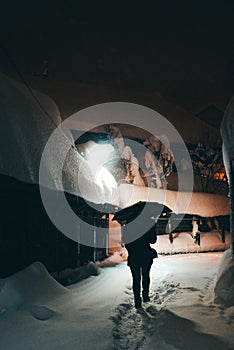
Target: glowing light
x: 104, y: 178
x: 97, y: 155
x: 220, y: 176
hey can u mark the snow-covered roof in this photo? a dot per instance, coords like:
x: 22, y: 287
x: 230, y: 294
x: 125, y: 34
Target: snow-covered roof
x: 25, y: 128
x: 28, y: 118
x: 72, y: 97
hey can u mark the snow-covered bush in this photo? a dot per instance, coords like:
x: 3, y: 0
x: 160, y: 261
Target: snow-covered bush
x: 157, y: 162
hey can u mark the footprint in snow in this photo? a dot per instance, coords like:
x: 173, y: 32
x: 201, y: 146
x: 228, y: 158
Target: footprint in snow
x: 42, y: 313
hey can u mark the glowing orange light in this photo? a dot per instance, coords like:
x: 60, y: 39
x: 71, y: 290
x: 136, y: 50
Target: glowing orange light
x: 221, y: 175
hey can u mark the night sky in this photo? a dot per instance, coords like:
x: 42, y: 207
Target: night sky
x: 182, y: 50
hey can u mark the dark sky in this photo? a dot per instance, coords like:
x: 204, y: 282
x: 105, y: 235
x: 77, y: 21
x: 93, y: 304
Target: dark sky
x: 181, y: 49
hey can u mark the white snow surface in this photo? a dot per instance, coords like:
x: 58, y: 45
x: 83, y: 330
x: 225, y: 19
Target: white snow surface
x: 227, y: 132
x: 28, y: 118
x: 224, y: 288
x: 227, y: 129
x: 194, y: 203
x: 25, y: 129
x: 97, y: 313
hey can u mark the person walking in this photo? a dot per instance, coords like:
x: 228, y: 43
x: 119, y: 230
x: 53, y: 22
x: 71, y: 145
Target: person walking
x: 140, y: 259
x: 137, y: 219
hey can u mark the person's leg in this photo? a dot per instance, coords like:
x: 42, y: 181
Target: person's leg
x: 136, y: 285
x: 146, y: 281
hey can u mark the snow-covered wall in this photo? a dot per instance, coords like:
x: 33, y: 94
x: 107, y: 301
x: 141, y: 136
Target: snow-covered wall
x: 224, y: 288
x: 227, y: 134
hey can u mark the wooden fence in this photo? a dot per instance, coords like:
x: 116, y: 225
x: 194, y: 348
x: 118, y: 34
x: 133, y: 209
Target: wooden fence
x: 28, y: 235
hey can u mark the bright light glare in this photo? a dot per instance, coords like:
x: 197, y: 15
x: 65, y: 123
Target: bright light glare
x: 103, y: 176
x: 97, y: 155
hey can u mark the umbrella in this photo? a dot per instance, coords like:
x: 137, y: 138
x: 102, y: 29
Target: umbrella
x: 128, y: 214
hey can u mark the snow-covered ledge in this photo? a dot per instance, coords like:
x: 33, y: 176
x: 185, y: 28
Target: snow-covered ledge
x: 202, y: 204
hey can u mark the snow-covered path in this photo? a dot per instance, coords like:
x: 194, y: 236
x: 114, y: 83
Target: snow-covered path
x: 181, y: 314
x: 98, y: 313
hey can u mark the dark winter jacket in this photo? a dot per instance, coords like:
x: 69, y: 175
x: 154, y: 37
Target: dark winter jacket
x: 140, y: 252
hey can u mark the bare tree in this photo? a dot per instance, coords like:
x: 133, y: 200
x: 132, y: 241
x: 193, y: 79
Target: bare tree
x: 208, y: 164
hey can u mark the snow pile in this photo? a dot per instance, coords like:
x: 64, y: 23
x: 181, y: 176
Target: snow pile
x: 15, y: 291
x: 70, y: 276
x: 224, y: 288
x: 98, y: 312
x: 50, y: 316
x: 116, y: 258
x: 183, y: 243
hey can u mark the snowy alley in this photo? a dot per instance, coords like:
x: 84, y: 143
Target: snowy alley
x: 97, y: 313
x: 105, y: 111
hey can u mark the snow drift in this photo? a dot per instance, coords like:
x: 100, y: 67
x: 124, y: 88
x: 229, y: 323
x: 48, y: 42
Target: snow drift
x: 224, y: 288
x: 15, y: 291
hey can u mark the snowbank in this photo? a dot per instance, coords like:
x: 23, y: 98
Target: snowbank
x: 224, y: 288
x: 29, y: 285
x: 70, y: 276
x: 183, y: 243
